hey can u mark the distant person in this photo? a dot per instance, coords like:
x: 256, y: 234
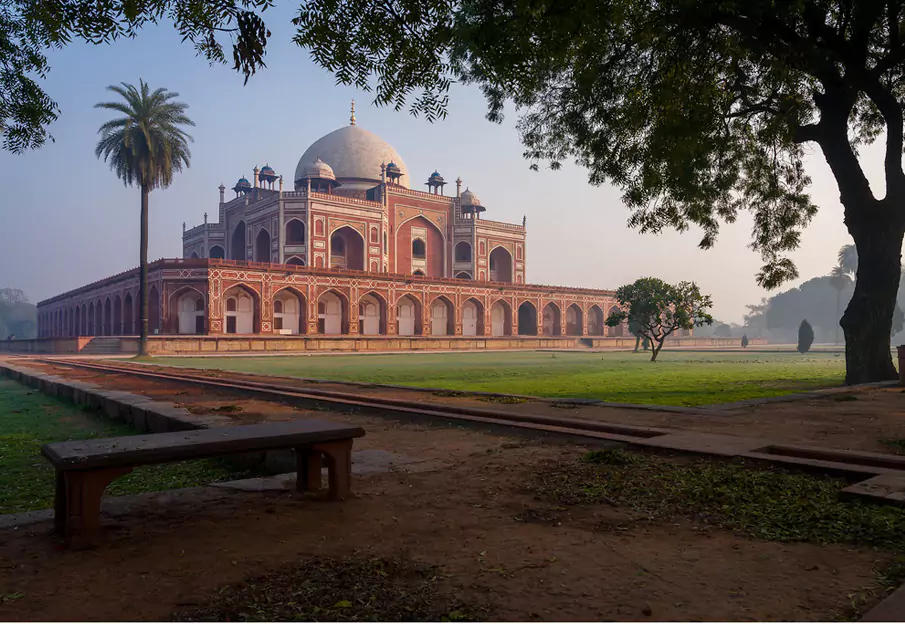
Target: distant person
x: 11, y: 337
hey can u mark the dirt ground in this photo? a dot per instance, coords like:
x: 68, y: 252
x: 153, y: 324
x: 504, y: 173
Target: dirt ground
x: 864, y: 419
x: 461, y: 515
x: 471, y: 512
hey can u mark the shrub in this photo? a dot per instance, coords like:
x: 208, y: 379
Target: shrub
x: 805, y: 336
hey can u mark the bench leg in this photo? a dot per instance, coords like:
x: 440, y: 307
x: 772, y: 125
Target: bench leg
x: 308, y: 465
x: 77, y: 511
x: 339, y: 466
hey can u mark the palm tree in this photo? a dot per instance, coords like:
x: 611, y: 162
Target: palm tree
x: 839, y: 279
x: 848, y: 260
x: 145, y: 147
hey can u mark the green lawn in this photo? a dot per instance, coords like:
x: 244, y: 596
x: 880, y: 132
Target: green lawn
x: 679, y: 378
x: 29, y: 419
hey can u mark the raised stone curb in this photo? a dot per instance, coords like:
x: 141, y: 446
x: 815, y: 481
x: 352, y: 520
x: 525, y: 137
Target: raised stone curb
x: 143, y: 414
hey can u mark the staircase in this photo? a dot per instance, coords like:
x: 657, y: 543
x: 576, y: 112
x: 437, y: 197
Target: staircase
x: 104, y: 346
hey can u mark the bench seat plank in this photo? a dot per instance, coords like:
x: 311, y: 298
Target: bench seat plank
x: 201, y: 443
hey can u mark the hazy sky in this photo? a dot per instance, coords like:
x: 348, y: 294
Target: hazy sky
x: 65, y: 220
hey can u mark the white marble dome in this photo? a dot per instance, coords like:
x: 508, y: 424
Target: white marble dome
x: 468, y: 198
x: 355, y: 156
x: 316, y: 169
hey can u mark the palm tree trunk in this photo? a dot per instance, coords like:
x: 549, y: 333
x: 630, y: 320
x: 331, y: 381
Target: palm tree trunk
x: 143, y: 271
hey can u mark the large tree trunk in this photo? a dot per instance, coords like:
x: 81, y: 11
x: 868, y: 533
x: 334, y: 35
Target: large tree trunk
x: 867, y: 321
x: 143, y: 271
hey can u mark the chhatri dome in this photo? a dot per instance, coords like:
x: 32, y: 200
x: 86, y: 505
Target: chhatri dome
x: 355, y: 155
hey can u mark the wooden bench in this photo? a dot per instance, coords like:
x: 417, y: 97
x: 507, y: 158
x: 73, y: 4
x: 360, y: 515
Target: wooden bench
x: 86, y: 467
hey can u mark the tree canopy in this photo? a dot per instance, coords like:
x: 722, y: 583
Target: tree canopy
x: 657, y: 309
x: 696, y: 109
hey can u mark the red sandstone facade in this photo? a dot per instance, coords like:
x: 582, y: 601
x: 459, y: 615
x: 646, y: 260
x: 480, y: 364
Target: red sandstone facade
x: 351, y: 251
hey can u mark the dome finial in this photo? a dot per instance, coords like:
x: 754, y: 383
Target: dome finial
x: 352, y: 118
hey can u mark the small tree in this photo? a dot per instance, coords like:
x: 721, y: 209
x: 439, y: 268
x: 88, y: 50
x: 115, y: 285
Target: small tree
x: 805, y: 336
x: 722, y: 331
x: 658, y: 309
x: 744, y: 341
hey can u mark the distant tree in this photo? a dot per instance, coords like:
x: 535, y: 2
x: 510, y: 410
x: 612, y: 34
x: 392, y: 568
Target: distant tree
x: 12, y: 296
x: 756, y: 318
x: 839, y: 279
x: 722, y: 331
x: 17, y: 315
x: 659, y: 309
x: 805, y: 336
x: 645, y: 344
x: 744, y: 341
x: 146, y: 147
x: 848, y: 260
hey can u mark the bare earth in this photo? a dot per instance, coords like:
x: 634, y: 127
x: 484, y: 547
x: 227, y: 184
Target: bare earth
x: 462, y: 509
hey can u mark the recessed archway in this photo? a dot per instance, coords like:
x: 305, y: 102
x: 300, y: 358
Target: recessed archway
x: 241, y: 310
x: 262, y: 246
x: 463, y: 275
x: 500, y: 265
x: 419, y: 249
x: 332, y: 314
x: 108, y: 317
x: 419, y: 273
x: 527, y: 319
x: 347, y: 249
x: 237, y: 242
x: 463, y: 251
x: 372, y: 315
x: 595, y: 321
x: 128, y: 316
x: 78, y: 321
x: 472, y: 318
x: 194, y: 255
x: 289, y: 315
x: 186, y: 312
x: 408, y: 316
x: 117, y: 316
x: 574, y: 320
x: 443, y: 319
x: 154, y: 311
x: 501, y: 319
x: 618, y: 331
x: 296, y: 261
x: 216, y: 252
x: 295, y: 232
x: 552, y: 320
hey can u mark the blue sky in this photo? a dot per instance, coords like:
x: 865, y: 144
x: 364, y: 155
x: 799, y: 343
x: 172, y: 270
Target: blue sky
x: 65, y: 220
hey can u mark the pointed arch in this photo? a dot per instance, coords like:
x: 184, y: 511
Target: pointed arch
x: 194, y: 255
x: 242, y: 310
x: 501, y: 318
x: 332, y: 313
x: 527, y: 319
x: 442, y: 316
x: 372, y: 314
x: 574, y: 320
x: 117, y: 315
x: 78, y: 321
x: 262, y: 246
x: 108, y: 317
x: 408, y: 316
x: 91, y: 328
x: 552, y: 319
x: 463, y: 251
x: 472, y: 317
x: 295, y: 261
x: 295, y: 232
x: 595, y: 321
x: 290, y: 311
x: 500, y: 264
x: 128, y: 315
x: 216, y: 251
x: 619, y: 330
x: 154, y: 326
x: 347, y: 249
x: 237, y: 242
x: 463, y: 275
x: 187, y: 309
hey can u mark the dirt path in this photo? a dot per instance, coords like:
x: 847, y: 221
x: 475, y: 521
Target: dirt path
x: 459, y: 515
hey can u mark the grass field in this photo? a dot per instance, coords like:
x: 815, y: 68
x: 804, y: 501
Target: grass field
x: 29, y: 419
x: 679, y: 378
